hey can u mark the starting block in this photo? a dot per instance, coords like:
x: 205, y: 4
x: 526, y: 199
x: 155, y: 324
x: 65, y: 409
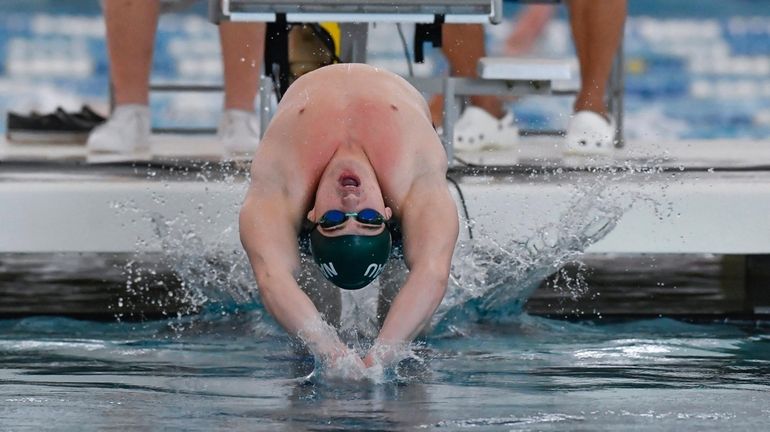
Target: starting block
x: 497, y: 76
x: 404, y: 11
x: 510, y: 68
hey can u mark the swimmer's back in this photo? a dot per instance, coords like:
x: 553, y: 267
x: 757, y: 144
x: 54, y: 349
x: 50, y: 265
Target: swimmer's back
x: 354, y: 80
x: 348, y: 104
x: 352, y: 105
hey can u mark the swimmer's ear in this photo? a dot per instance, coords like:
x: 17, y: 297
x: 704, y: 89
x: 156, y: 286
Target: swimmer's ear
x: 388, y: 213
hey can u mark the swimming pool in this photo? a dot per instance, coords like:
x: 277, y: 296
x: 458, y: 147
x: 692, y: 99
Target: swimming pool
x: 236, y: 372
x: 227, y: 366
x: 200, y: 353
x: 216, y: 361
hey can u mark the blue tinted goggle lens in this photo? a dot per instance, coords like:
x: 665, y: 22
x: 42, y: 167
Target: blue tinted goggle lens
x: 334, y: 218
x: 370, y: 217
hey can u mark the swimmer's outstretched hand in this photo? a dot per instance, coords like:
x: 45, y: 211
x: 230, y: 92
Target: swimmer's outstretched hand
x: 345, y: 365
x: 370, y: 361
x: 383, y: 355
x: 336, y: 360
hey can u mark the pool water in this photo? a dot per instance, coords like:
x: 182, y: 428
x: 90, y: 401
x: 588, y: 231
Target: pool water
x: 483, y: 368
x: 236, y: 371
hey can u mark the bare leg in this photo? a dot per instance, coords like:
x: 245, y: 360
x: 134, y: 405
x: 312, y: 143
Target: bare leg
x: 463, y: 46
x: 131, y: 26
x: 529, y: 25
x: 597, y: 28
x: 243, y: 45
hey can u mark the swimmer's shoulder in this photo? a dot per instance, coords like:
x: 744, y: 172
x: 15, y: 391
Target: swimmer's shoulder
x: 347, y: 73
x: 274, y: 161
x: 266, y: 167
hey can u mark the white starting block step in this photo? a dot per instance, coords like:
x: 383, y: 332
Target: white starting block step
x: 405, y: 11
x: 525, y: 69
x: 65, y: 205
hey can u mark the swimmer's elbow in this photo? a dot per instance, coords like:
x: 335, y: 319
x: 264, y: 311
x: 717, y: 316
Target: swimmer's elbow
x: 246, y: 226
x: 436, y: 280
x: 431, y: 268
x: 436, y: 287
x: 266, y: 283
x: 274, y: 271
x: 267, y: 288
x: 440, y: 287
x: 269, y: 282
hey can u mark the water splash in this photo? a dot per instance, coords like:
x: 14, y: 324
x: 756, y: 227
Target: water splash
x: 338, y: 356
x: 492, y: 278
x: 190, y: 274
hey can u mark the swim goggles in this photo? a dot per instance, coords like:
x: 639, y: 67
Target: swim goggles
x: 334, y: 218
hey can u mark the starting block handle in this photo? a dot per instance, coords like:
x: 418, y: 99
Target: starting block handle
x: 396, y: 11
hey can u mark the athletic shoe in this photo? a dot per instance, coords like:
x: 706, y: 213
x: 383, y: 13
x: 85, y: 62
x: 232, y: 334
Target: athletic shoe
x: 239, y: 133
x: 88, y: 115
x: 58, y: 127
x: 589, y: 133
x: 126, y: 132
x: 477, y: 130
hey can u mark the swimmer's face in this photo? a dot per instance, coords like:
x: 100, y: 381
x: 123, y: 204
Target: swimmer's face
x: 346, y: 188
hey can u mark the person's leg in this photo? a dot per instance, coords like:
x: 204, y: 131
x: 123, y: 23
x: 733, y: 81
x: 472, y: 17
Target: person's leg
x: 131, y: 26
x: 530, y: 24
x: 597, y: 28
x: 463, y: 46
x: 243, y: 46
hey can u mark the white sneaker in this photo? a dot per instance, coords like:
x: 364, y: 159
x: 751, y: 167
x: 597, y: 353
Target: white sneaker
x: 127, y: 131
x: 589, y: 133
x: 477, y: 130
x: 239, y: 133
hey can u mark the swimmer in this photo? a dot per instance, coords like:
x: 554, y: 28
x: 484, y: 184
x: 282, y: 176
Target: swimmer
x: 350, y: 154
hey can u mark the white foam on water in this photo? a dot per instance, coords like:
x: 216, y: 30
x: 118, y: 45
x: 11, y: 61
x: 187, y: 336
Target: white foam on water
x: 492, y: 277
x: 345, y: 364
x: 206, y: 273
x: 510, y: 421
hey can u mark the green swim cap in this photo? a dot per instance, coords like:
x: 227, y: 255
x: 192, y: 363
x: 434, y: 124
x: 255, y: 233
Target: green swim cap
x: 351, y: 261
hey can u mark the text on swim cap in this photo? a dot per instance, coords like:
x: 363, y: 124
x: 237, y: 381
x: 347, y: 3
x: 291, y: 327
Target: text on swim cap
x: 328, y: 270
x: 374, y: 270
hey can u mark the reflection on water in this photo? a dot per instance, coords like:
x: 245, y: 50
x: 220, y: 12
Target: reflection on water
x: 485, y: 367
x: 232, y: 373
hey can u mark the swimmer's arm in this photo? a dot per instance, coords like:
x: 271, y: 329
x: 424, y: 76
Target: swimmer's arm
x: 270, y: 241
x: 430, y: 226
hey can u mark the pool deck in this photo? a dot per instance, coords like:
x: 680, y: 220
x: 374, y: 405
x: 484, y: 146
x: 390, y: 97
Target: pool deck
x: 672, y: 197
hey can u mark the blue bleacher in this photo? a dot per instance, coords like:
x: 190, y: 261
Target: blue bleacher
x: 716, y: 96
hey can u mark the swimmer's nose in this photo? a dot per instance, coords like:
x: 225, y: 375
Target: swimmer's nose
x: 350, y: 202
